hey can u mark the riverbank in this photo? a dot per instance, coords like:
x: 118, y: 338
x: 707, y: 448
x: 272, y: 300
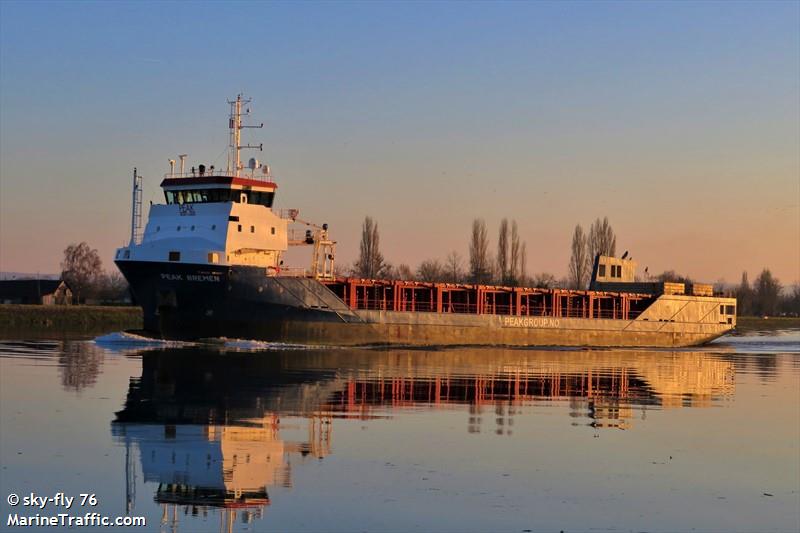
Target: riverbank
x: 70, y: 320
x: 757, y: 323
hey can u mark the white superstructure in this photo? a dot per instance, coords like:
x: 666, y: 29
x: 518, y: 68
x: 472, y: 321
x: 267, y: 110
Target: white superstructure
x: 224, y: 217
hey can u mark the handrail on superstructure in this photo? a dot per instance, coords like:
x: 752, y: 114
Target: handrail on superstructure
x: 219, y: 173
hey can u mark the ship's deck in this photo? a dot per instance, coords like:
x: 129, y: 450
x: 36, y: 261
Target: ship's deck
x: 419, y: 296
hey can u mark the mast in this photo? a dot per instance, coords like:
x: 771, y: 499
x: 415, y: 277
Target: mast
x: 136, y: 209
x: 235, y: 125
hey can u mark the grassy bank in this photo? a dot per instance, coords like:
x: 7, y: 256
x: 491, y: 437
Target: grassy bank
x: 67, y: 319
x: 757, y: 323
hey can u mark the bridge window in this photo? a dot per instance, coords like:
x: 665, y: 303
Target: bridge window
x: 261, y: 198
x: 252, y: 229
x: 601, y: 271
x: 202, y: 196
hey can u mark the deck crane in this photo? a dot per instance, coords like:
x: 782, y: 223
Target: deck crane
x: 324, y: 249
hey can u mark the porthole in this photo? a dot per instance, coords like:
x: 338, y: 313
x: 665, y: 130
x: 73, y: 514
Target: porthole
x: 158, y: 228
x: 192, y: 228
x: 252, y: 229
x: 179, y: 228
x: 213, y: 227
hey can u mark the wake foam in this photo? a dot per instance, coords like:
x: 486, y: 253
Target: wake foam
x: 247, y: 345
x: 124, y: 340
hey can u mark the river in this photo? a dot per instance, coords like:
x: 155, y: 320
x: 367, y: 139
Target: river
x: 249, y: 436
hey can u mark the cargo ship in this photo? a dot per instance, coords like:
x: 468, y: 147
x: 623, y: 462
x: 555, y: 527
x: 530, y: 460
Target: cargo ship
x: 209, y: 263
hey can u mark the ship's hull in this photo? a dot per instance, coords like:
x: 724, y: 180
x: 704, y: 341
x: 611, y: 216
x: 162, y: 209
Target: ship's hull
x: 183, y: 301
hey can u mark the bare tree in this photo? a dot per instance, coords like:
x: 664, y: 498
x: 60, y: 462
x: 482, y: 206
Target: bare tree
x: 579, y: 261
x: 453, y: 272
x: 767, y: 293
x: 82, y: 269
x: 347, y: 269
x: 430, y: 270
x: 515, y: 256
x: 479, y: 260
x: 744, y: 297
x: 403, y: 271
x: 602, y: 240
x: 791, y: 302
x: 523, y: 264
x: 370, y: 262
x: 112, y: 287
x: 502, y: 252
x: 671, y: 275
x: 544, y: 280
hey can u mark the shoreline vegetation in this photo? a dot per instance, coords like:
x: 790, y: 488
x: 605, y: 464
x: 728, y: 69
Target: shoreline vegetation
x: 97, y: 319
x: 68, y: 319
x: 772, y: 323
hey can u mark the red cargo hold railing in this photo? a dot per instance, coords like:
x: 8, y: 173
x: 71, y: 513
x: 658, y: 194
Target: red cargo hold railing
x: 418, y: 296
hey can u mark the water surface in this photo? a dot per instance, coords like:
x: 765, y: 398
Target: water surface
x: 247, y: 436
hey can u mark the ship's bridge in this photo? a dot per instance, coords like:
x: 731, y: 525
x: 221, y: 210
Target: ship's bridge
x: 199, y: 187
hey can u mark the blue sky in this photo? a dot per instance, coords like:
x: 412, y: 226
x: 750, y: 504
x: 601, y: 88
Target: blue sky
x: 678, y: 120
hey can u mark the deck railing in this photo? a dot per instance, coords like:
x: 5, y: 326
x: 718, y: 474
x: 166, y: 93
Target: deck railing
x: 490, y: 309
x: 214, y: 172
x: 293, y: 272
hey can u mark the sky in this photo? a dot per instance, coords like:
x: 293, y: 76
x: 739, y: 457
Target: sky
x: 680, y: 121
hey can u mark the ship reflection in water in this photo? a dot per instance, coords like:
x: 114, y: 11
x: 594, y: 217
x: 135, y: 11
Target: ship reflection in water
x: 207, y: 425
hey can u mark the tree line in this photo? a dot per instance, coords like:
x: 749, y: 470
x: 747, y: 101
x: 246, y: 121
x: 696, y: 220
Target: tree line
x: 82, y: 270
x: 505, y: 264
x: 508, y: 266
x: 600, y: 240
x: 766, y: 296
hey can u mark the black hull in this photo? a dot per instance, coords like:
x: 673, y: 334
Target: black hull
x: 184, y: 302
x: 187, y: 302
